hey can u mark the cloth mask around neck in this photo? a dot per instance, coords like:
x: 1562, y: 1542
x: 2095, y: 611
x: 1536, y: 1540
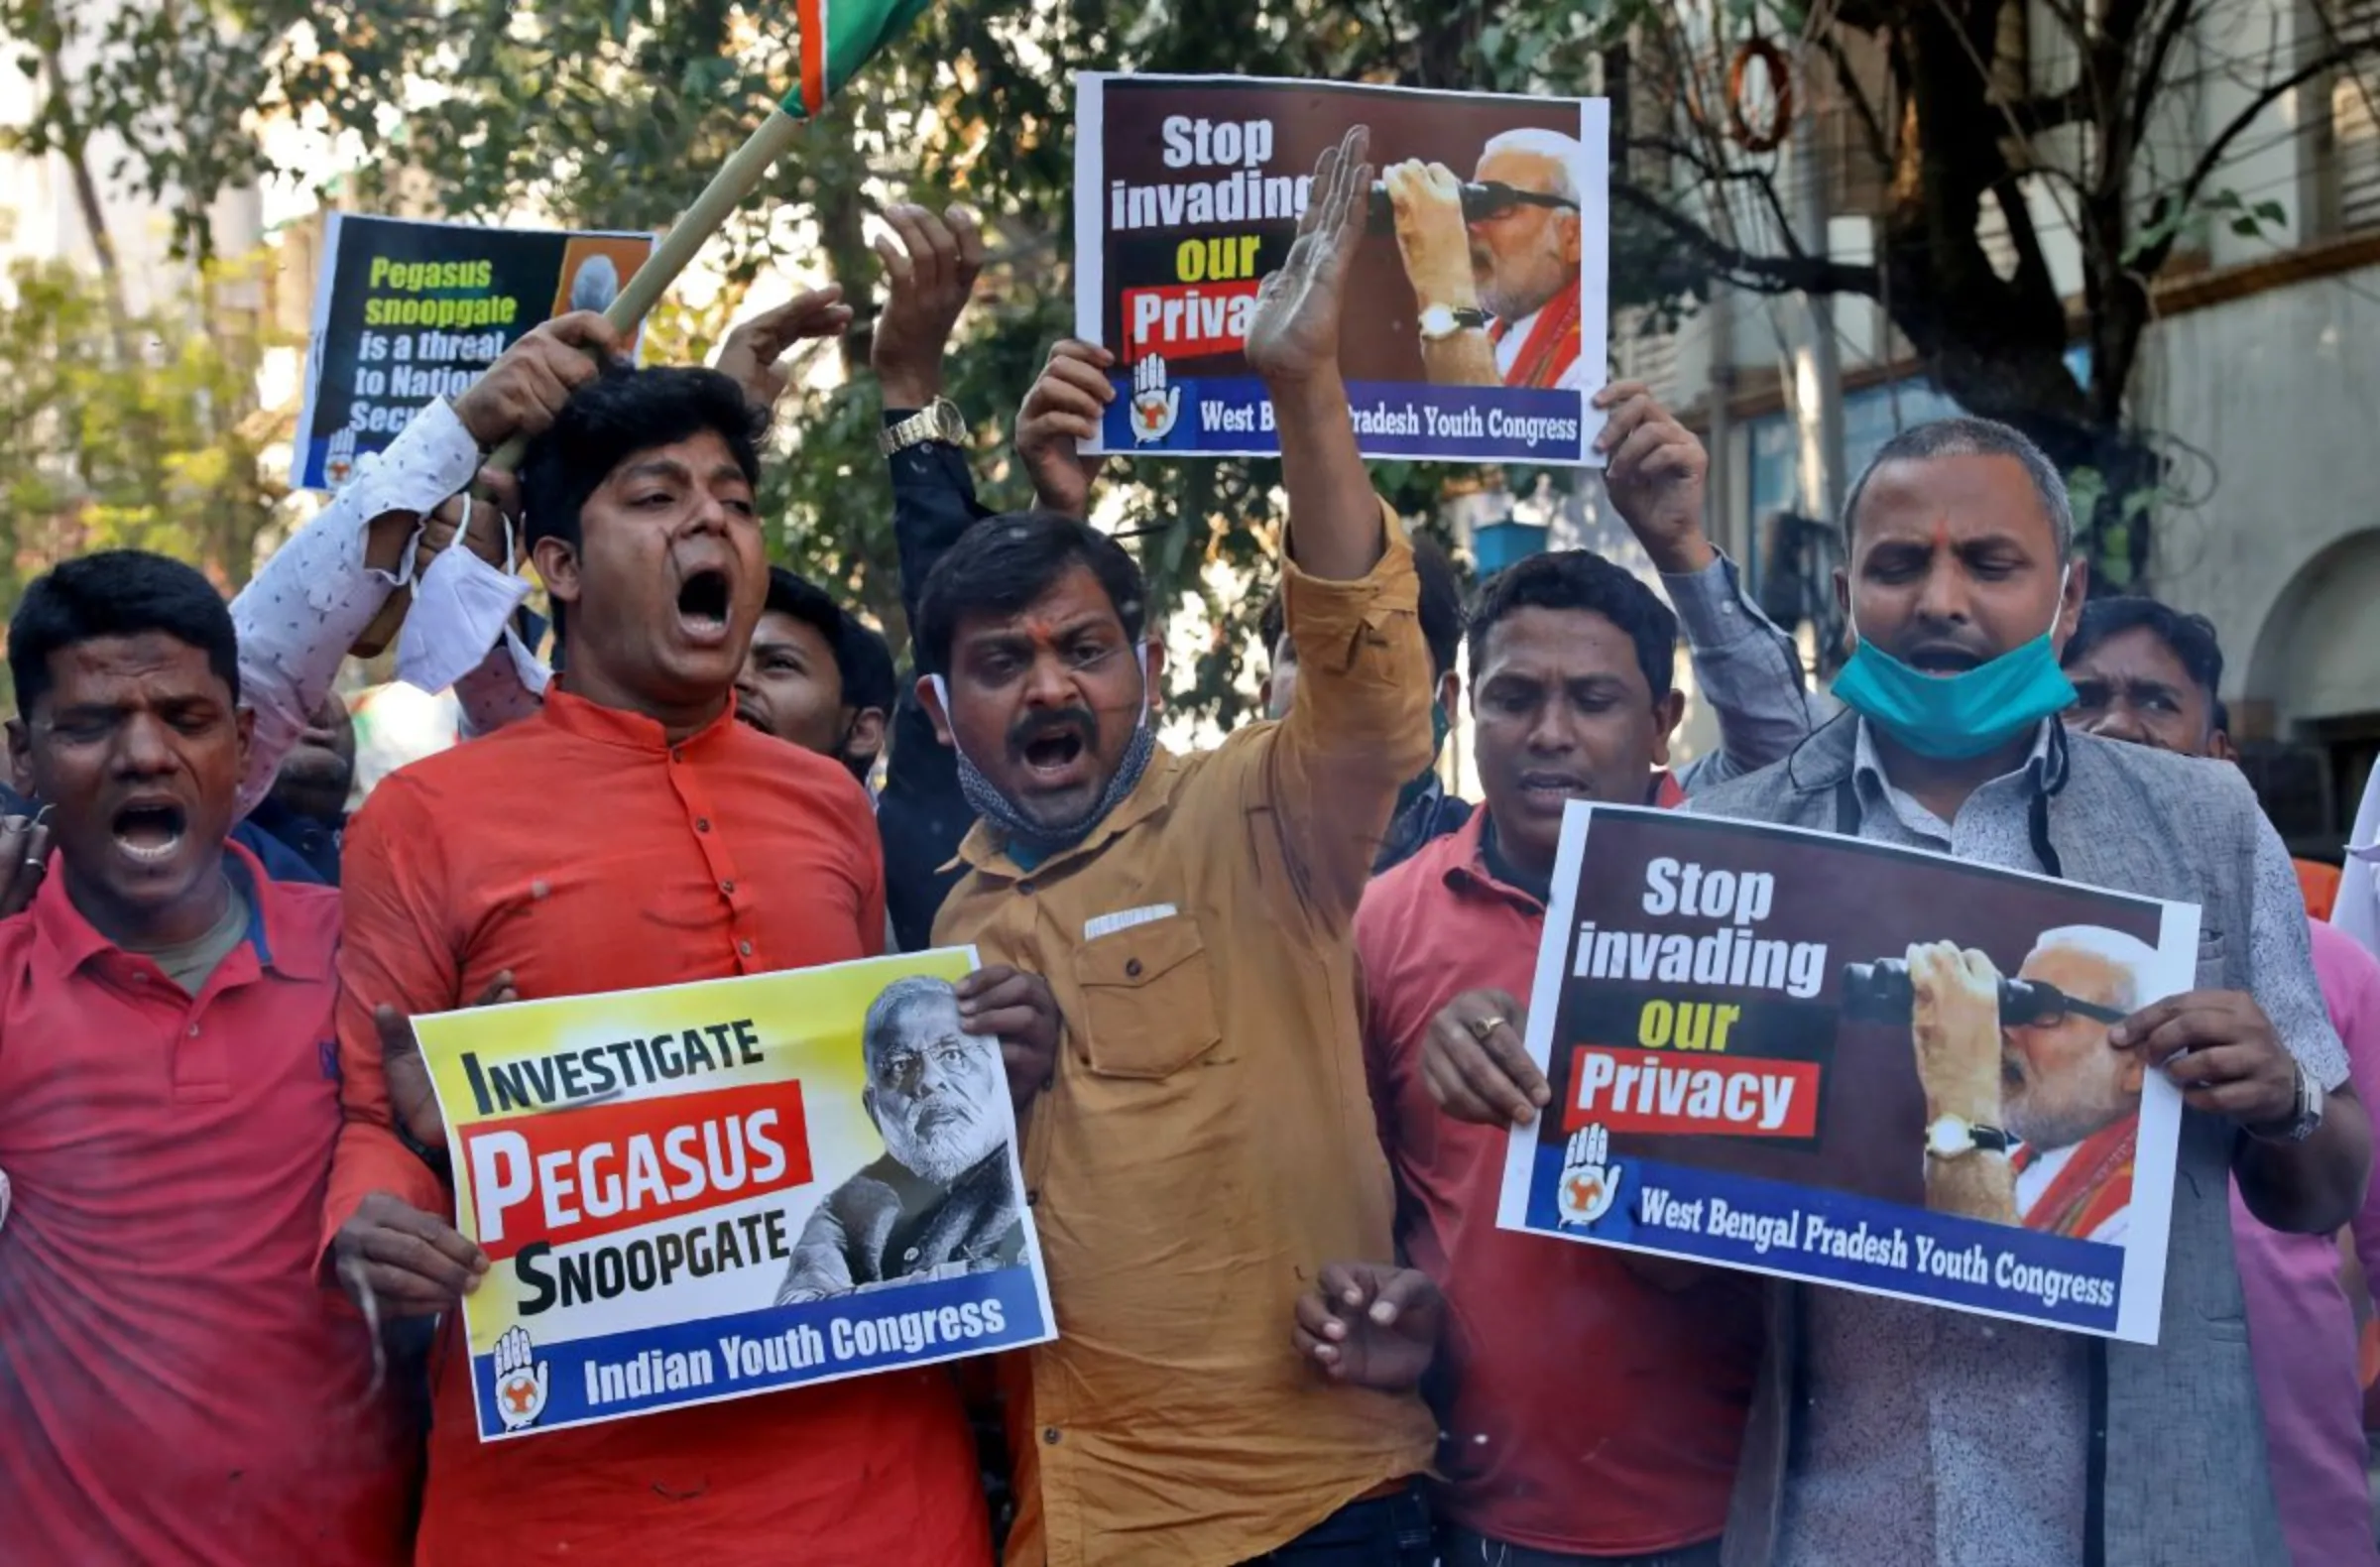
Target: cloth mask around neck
x: 461, y: 606
x: 1957, y: 716
x: 1036, y: 839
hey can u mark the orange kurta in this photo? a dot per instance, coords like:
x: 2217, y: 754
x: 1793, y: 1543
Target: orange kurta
x: 584, y: 853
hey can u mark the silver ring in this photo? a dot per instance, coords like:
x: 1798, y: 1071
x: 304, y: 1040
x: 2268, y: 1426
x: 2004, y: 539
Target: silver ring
x: 36, y: 864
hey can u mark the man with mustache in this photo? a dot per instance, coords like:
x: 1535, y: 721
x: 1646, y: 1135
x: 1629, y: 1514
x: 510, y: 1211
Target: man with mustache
x: 630, y: 833
x: 939, y: 1203
x: 1497, y: 291
x: 1204, y: 1143
x: 2051, y: 1083
x: 1887, y: 1430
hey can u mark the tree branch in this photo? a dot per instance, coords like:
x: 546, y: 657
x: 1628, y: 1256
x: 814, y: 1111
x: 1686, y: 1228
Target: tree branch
x: 1802, y: 273
x: 2186, y: 194
x: 1870, y: 121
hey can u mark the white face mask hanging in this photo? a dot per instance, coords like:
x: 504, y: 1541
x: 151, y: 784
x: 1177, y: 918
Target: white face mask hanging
x: 461, y: 607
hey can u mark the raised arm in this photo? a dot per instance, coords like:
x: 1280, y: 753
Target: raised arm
x: 1749, y: 669
x: 931, y: 266
x: 320, y: 591
x: 1360, y: 724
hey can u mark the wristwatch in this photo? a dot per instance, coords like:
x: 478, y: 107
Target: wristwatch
x: 1950, y: 1137
x: 1441, y: 322
x: 2307, y: 1117
x: 939, y: 421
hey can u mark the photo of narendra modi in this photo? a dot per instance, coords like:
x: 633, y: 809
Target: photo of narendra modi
x: 943, y: 1201
x: 722, y: 1189
x: 1477, y: 285
x: 1854, y: 1065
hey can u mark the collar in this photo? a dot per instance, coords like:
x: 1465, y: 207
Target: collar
x: 617, y: 726
x: 2043, y: 770
x: 285, y: 940
x: 1841, y: 749
x: 987, y: 851
x: 1463, y: 852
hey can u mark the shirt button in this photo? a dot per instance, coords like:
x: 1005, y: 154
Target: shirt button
x: 193, y: 1030
x: 1032, y: 1198
x: 1051, y: 1436
x: 1131, y: 970
x: 728, y: 887
x: 1026, y: 888
x: 702, y: 824
x: 744, y: 947
x: 909, y: 1255
x: 676, y: 754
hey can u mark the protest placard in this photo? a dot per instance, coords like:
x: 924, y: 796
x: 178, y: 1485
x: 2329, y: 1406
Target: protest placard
x: 1839, y: 1061
x: 408, y: 311
x: 718, y: 1189
x: 1477, y: 334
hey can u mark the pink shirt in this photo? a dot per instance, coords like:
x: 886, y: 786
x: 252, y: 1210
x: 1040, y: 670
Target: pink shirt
x: 2301, y: 1329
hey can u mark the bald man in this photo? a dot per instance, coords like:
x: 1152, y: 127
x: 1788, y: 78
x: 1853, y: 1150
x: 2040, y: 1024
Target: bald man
x: 2052, y: 1113
x: 1498, y: 289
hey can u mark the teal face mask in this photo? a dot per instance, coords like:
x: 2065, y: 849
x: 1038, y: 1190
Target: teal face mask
x: 1955, y: 716
x: 1419, y: 785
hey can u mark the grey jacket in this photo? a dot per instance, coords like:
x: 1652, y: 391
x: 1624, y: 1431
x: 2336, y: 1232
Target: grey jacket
x: 2177, y: 1440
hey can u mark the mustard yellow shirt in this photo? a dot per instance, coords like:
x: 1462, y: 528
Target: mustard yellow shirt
x: 1207, y: 1141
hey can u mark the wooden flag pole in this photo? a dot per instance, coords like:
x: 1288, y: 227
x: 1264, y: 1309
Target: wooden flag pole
x: 677, y: 249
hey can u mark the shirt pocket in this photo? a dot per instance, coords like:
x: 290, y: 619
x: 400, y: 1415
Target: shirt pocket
x: 1148, y: 1007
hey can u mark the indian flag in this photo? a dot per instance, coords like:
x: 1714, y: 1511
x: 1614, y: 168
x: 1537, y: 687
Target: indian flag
x: 837, y: 37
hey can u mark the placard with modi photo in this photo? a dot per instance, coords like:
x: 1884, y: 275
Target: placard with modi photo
x: 712, y: 1191
x: 1854, y: 1065
x: 1475, y: 317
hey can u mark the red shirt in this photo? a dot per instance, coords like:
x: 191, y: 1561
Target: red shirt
x: 175, y: 1385
x: 583, y: 852
x: 1588, y: 1411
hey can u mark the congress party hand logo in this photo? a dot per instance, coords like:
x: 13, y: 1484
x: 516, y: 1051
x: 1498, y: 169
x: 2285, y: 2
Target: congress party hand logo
x: 1155, y: 406
x: 1590, y: 1180
x: 338, y: 464
x: 519, y: 1380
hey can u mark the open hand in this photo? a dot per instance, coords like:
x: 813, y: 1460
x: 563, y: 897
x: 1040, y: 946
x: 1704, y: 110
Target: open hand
x: 754, y: 353
x: 1476, y: 1068
x: 1371, y: 1325
x: 1293, y: 336
x: 1021, y: 1011
x: 1064, y: 408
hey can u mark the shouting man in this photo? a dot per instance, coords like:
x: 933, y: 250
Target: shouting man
x: 630, y: 833
x: 176, y: 1385
x: 1204, y: 1141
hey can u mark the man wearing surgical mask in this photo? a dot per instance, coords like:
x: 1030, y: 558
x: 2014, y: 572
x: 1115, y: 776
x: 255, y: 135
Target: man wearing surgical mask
x: 1204, y: 1141
x: 1886, y: 1430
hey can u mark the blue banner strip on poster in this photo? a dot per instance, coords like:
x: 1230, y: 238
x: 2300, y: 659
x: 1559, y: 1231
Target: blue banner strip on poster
x: 645, y: 1369
x: 1392, y: 418
x: 1832, y: 1237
